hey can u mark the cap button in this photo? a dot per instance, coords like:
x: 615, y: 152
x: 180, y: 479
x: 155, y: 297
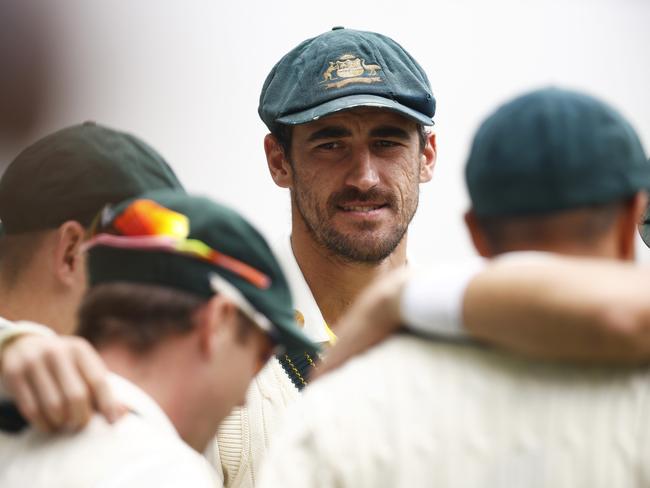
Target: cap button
x: 338, y: 27
x: 89, y: 123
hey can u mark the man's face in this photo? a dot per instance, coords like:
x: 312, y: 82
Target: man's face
x: 355, y: 181
x: 246, y: 351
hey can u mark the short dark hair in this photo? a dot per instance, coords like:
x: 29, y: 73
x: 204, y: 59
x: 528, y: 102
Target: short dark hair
x: 136, y: 315
x: 284, y: 134
x: 591, y: 222
x: 17, y: 253
x: 140, y: 316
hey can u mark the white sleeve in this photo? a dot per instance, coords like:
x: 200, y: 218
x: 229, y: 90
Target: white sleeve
x: 432, y: 302
x: 9, y: 330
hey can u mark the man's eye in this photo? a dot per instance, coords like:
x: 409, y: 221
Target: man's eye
x: 329, y: 145
x: 386, y: 143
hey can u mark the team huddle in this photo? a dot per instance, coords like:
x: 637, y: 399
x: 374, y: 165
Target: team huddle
x: 152, y: 337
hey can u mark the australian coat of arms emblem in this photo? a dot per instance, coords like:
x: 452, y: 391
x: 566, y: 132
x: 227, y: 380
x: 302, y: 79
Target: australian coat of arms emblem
x: 350, y: 69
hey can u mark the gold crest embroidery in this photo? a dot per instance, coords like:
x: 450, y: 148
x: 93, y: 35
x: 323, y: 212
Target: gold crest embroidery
x: 300, y: 318
x: 350, y: 69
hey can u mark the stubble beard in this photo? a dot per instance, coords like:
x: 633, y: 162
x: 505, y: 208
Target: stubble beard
x: 363, y: 246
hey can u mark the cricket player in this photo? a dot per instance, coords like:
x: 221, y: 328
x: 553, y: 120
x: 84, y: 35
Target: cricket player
x: 553, y: 172
x: 186, y: 303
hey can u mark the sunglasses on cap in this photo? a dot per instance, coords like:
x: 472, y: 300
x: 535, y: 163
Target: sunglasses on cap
x: 147, y: 225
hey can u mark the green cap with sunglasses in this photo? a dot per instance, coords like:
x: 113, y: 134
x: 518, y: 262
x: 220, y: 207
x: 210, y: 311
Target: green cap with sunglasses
x: 195, y: 245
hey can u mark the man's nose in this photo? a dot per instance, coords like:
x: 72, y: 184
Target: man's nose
x: 363, y: 173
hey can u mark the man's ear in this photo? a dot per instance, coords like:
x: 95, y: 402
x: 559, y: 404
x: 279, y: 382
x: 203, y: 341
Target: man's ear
x: 278, y: 162
x: 478, y: 237
x: 428, y: 161
x: 216, y: 320
x: 69, y: 264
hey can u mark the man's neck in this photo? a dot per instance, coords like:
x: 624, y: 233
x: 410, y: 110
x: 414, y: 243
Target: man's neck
x: 170, y: 387
x: 335, y: 282
x: 26, y: 302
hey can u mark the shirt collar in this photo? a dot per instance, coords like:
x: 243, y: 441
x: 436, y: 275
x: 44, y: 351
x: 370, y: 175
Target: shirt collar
x: 307, y: 311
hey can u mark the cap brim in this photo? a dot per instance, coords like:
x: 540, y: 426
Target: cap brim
x: 350, y: 102
x: 286, y: 334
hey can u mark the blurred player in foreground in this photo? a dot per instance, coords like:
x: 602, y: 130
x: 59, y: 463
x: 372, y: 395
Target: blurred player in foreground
x: 186, y: 304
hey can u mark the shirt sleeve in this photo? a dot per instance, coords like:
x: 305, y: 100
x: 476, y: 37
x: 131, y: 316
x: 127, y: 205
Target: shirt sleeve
x: 11, y: 330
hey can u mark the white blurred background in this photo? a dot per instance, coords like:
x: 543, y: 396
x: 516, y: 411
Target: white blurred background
x: 185, y: 75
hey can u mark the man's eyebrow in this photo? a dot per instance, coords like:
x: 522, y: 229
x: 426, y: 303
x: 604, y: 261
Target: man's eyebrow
x: 390, y: 131
x: 329, y: 132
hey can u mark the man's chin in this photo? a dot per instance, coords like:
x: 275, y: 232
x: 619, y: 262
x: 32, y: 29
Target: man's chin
x: 362, y: 247
x: 360, y: 227
x: 380, y: 217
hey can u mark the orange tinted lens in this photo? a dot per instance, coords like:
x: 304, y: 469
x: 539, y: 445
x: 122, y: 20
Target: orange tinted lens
x: 147, y: 218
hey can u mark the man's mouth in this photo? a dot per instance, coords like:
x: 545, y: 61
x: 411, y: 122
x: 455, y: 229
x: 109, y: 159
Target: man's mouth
x: 362, y: 208
x: 363, y: 211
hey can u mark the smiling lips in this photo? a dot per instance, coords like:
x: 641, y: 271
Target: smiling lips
x: 361, y: 208
x: 363, y: 205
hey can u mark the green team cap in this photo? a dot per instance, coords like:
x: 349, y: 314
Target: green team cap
x: 552, y: 150
x: 71, y: 174
x: 343, y: 69
x: 195, y: 245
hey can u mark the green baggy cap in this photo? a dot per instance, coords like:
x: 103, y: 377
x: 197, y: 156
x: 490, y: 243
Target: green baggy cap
x: 193, y: 244
x: 71, y: 174
x: 343, y: 69
x: 552, y: 150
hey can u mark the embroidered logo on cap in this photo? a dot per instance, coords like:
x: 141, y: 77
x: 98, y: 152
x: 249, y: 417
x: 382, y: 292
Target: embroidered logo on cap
x: 350, y: 69
x: 300, y: 318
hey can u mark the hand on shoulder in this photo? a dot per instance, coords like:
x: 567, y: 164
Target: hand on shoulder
x: 57, y: 382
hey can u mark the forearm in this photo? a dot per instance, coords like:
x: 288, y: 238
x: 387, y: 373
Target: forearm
x: 562, y: 308
x: 537, y: 305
